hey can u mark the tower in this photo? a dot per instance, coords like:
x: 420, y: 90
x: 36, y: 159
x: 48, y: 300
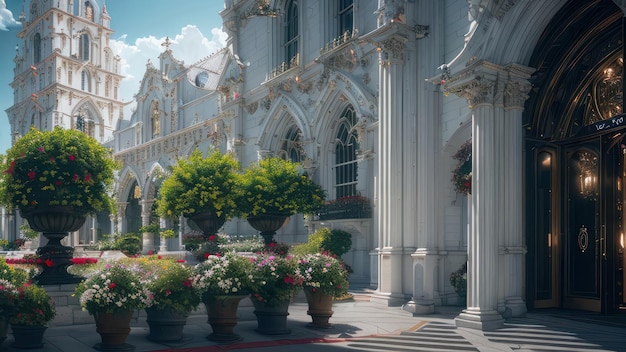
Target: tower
x: 65, y: 71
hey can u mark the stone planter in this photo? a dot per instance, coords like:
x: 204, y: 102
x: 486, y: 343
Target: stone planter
x: 28, y: 337
x: 166, y: 325
x: 271, y: 318
x: 320, y: 308
x: 222, y: 313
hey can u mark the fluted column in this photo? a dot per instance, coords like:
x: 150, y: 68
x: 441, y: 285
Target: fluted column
x: 390, y: 191
x: 148, y: 238
x: 121, y: 216
x: 482, y: 271
x: 512, y: 249
x: 426, y: 209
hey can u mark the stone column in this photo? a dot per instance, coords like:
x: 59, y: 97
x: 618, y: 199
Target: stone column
x: 482, y: 272
x: 121, y: 215
x: 390, y: 190
x: 496, y: 249
x: 512, y: 248
x: 148, y: 238
x: 425, y: 259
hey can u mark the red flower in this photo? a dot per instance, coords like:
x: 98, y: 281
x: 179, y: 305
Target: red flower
x: 72, y: 157
x: 41, y: 149
x: 112, y: 285
x: 180, y: 260
x: 206, y: 255
x: 39, y: 261
x: 59, y: 182
x: 75, y: 178
x: 87, y: 177
x: 212, y: 238
x: 49, y: 263
x: 187, y: 282
x: 32, y: 174
x: 159, y: 257
x: 288, y: 280
x: 168, y: 292
x: 272, y: 244
x: 11, y: 169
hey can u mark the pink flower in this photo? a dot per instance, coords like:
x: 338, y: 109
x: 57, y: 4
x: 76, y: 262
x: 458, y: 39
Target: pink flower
x: 112, y: 285
x: 72, y: 157
x: 32, y: 174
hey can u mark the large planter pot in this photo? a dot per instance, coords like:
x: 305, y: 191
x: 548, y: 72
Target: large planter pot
x: 267, y: 225
x: 55, y: 223
x: 4, y: 326
x: 320, y: 308
x: 166, y: 325
x: 28, y: 337
x: 271, y: 318
x: 207, y: 222
x: 222, y: 313
x: 113, y: 329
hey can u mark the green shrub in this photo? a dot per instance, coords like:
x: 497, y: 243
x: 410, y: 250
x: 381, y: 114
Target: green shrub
x: 337, y: 242
x: 313, y: 245
x: 129, y: 243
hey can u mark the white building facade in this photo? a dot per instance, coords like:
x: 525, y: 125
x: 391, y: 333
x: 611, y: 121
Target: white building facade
x: 375, y: 99
x: 66, y: 75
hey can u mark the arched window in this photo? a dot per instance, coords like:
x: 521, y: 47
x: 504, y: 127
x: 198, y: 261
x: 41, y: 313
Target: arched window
x: 291, y: 145
x: 37, y: 48
x: 85, y: 122
x: 156, y: 120
x: 345, y: 15
x: 85, y: 81
x: 84, y: 47
x: 346, y: 146
x: 290, y: 44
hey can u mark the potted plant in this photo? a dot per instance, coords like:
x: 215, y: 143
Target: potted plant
x: 458, y: 280
x: 56, y: 178
x: 223, y: 281
x: 273, y: 190
x: 324, y: 278
x: 112, y: 294
x: 201, y: 189
x: 173, y: 297
x: 8, y: 292
x: 274, y: 282
x: 33, y: 310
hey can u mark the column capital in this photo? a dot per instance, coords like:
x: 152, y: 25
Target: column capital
x: 485, y: 83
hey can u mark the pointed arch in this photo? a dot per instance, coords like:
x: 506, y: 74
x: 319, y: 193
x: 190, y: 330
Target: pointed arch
x: 278, y: 120
x: 86, y: 117
x: 124, y: 187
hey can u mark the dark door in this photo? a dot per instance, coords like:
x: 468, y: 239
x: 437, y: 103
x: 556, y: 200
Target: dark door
x: 583, y: 230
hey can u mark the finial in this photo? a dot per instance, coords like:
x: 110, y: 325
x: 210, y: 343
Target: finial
x: 166, y: 43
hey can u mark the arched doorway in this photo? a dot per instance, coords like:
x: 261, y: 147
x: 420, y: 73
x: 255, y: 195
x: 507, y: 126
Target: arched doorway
x: 575, y: 157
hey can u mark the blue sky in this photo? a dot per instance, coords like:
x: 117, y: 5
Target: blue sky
x: 140, y: 26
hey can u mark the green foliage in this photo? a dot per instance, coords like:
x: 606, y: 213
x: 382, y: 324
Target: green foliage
x: 276, y: 186
x: 16, y: 276
x: 171, y: 285
x: 337, y: 242
x: 114, y: 288
x: 169, y: 233
x: 129, y: 243
x: 274, y: 278
x: 57, y: 168
x: 200, y: 184
x: 324, y: 273
x: 28, y: 232
x: 4, y: 243
x: 458, y: 280
x: 225, y: 275
x: 152, y: 228
x: 33, y: 306
x: 313, y: 245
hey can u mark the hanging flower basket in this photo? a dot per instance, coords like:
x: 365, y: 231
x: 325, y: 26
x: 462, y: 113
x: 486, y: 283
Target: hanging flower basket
x: 462, y: 174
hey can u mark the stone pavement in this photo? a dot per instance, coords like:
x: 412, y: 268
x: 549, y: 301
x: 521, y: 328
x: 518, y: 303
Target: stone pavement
x: 359, y: 325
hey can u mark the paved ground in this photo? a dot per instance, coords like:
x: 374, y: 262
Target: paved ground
x: 359, y: 325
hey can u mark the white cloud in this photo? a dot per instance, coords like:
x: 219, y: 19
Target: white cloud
x: 6, y: 17
x: 189, y: 46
